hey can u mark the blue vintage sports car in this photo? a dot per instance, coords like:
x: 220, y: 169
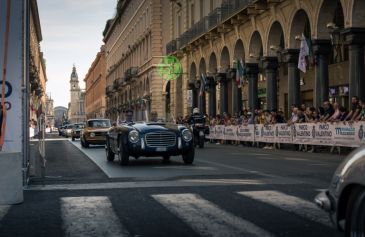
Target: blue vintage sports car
x: 149, y: 139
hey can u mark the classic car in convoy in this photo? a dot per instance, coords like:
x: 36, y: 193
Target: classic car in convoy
x: 94, y: 132
x: 345, y: 198
x: 149, y: 139
x: 76, y: 130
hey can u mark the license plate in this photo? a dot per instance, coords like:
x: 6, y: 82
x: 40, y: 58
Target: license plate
x: 161, y: 149
x: 201, y: 133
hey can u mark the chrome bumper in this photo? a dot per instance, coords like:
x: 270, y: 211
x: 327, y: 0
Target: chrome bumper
x: 323, y: 201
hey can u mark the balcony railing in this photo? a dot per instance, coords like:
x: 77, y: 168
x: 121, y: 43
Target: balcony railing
x: 109, y: 90
x: 130, y: 73
x: 227, y: 9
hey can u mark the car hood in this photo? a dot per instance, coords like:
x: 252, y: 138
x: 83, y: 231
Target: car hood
x: 96, y: 129
x: 152, y: 127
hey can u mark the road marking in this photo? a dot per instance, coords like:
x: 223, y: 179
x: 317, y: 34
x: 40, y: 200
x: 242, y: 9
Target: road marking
x: 295, y: 159
x: 3, y: 210
x: 90, y: 216
x: 156, y: 184
x: 56, y: 139
x: 291, y: 204
x: 206, y: 218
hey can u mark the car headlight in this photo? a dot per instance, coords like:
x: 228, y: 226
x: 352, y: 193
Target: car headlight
x: 133, y: 136
x: 186, y: 135
x: 92, y: 134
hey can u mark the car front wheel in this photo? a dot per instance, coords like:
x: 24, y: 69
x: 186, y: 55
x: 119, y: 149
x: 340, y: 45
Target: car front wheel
x: 109, y: 153
x: 355, y: 216
x: 123, y: 154
x: 188, y: 157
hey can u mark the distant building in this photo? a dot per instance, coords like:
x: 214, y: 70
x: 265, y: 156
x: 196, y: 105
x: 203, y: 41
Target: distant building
x: 134, y: 45
x: 95, y: 81
x: 60, y: 115
x: 76, y: 112
x: 37, y: 66
x: 50, y: 119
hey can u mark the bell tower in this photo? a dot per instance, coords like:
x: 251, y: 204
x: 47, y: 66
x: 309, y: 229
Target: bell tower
x: 75, y: 95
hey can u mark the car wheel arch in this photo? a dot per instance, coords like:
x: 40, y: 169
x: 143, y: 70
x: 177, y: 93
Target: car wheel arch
x: 342, y: 204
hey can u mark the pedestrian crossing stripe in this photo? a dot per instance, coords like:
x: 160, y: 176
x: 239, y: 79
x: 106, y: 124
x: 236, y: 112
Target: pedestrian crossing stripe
x: 206, y: 218
x: 90, y: 217
x: 94, y: 215
x: 291, y: 204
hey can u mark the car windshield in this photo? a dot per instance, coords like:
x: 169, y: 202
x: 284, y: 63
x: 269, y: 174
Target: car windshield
x: 79, y: 126
x: 99, y: 123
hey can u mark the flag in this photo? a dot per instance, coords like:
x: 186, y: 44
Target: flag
x: 304, y: 52
x: 202, y: 85
x: 240, y: 73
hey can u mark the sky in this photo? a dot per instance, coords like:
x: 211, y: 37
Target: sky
x: 72, y: 34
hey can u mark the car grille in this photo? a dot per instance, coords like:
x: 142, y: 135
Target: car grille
x: 160, y: 139
x: 100, y: 134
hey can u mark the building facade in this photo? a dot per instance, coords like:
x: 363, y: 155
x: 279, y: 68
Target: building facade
x: 60, y: 116
x: 95, y: 82
x: 50, y: 118
x: 37, y: 66
x: 209, y: 37
x: 134, y: 44
x: 76, y: 113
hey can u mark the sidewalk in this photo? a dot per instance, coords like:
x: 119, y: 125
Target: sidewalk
x: 66, y: 164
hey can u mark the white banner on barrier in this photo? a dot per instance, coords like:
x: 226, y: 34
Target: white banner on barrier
x: 344, y: 134
x: 339, y: 134
x: 322, y: 134
x: 219, y: 132
x: 246, y: 133
x: 283, y: 133
x: 303, y: 133
x: 268, y: 133
x: 230, y: 133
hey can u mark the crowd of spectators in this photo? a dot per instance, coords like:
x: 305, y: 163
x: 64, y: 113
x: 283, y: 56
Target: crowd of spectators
x: 328, y: 112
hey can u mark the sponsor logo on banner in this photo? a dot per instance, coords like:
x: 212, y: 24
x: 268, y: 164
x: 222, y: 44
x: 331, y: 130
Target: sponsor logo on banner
x: 303, y: 133
x: 268, y: 133
x: 211, y: 134
x: 344, y: 134
x: 361, y: 132
x: 258, y: 131
x: 245, y: 133
x: 230, y: 133
x: 283, y: 133
x: 322, y: 134
x: 219, y: 132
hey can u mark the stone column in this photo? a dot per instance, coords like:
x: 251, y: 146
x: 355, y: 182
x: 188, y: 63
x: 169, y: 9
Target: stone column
x: 191, y: 86
x: 271, y: 67
x: 291, y: 57
x: 223, y: 93
x: 321, y: 50
x: 236, y: 93
x: 201, y: 101
x: 212, y: 96
x: 355, y: 39
x: 252, y: 70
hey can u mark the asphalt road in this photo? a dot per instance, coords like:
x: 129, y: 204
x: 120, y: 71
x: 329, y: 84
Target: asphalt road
x: 228, y: 191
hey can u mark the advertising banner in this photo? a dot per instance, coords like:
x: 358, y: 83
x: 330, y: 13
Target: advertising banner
x: 11, y: 75
x: 345, y: 134
x: 360, y: 133
x: 230, y: 133
x: 219, y: 132
x: 303, y: 133
x: 211, y: 134
x: 246, y: 133
x: 322, y: 134
x: 258, y: 132
x: 283, y: 133
x: 268, y: 133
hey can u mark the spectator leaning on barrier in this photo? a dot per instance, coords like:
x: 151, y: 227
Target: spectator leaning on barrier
x: 355, y: 109
x: 361, y: 116
x: 328, y: 111
x: 336, y: 114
